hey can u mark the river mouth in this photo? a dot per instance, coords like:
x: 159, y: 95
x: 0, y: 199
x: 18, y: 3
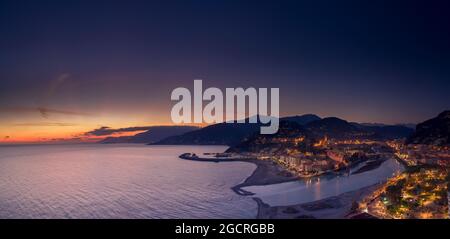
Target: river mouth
x: 309, y: 190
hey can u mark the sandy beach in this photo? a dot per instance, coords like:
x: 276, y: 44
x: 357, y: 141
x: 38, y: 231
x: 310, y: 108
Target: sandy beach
x: 266, y: 172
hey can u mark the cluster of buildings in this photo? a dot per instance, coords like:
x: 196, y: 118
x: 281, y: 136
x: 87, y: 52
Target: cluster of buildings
x: 421, y: 154
x: 421, y: 194
x: 323, y: 156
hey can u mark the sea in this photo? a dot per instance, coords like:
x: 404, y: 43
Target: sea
x: 119, y: 181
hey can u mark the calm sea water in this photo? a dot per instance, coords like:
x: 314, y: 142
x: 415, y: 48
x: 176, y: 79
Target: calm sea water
x: 119, y: 181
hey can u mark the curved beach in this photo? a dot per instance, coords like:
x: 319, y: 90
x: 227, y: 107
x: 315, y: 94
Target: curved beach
x: 266, y: 172
x: 269, y: 174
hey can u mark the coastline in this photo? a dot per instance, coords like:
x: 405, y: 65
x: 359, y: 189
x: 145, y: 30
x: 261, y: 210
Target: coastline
x: 266, y: 172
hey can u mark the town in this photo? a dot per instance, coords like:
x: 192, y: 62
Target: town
x: 334, y: 147
x: 325, y: 156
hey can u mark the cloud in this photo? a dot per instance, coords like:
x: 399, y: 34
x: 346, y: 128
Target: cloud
x: 45, y: 124
x: 64, y: 139
x: 7, y: 137
x: 56, y: 83
x: 45, y: 112
x: 105, y: 130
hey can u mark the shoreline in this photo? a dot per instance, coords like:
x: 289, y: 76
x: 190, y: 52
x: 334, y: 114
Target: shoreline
x: 266, y: 172
x: 371, y: 165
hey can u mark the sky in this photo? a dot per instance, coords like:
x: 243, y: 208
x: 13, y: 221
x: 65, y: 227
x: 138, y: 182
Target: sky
x: 68, y: 68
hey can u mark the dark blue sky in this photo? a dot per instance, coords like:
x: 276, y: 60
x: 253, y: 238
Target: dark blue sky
x: 367, y: 62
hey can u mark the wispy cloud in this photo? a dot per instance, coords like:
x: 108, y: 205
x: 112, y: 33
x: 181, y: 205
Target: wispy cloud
x: 105, y: 130
x: 65, y: 139
x: 57, y: 83
x: 45, y: 112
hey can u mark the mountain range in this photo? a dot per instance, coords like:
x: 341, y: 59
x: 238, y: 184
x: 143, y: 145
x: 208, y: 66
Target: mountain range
x: 216, y: 134
x: 290, y: 135
x: 435, y: 131
x: 233, y: 134
x: 154, y: 134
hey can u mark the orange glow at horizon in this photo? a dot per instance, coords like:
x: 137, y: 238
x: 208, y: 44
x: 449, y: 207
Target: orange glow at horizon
x: 15, y: 131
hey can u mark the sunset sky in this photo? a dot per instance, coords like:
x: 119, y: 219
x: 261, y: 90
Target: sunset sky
x: 70, y: 67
